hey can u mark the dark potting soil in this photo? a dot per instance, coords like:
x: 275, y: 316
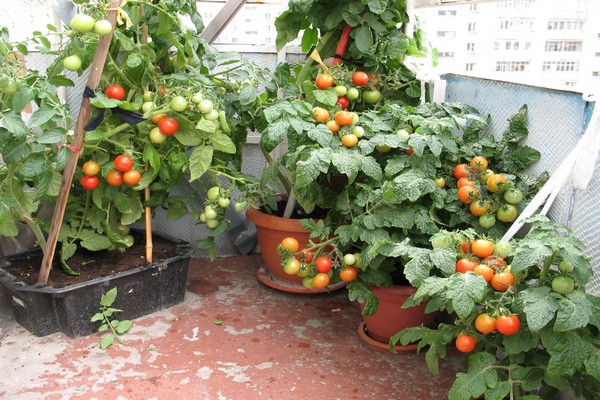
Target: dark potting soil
x: 91, y: 265
x: 298, y: 213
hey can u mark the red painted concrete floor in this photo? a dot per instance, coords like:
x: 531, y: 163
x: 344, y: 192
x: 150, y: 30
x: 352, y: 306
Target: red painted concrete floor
x: 270, y: 345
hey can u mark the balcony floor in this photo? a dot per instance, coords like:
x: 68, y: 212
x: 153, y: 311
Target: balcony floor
x: 270, y: 345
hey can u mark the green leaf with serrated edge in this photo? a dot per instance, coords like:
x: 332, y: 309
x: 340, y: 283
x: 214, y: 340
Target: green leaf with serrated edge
x: 8, y: 227
x: 568, y: 354
x: 540, y: 306
x: 107, y: 341
x: 93, y: 241
x: 347, y: 164
x: 444, y: 260
x: 465, y: 290
x: 309, y: 169
x: 14, y: 124
x: 363, y: 38
x: 123, y: 326
x: 521, y: 342
x: 370, y: 167
x: 109, y: 297
x: 530, y: 378
x: 479, y: 377
x: 431, y: 286
x: 200, y: 161
x: 574, y: 311
x: 97, y: 317
x: 223, y: 143
x: 41, y: 116
x: 592, y: 365
x: 103, y: 327
x: 498, y: 392
x: 326, y: 97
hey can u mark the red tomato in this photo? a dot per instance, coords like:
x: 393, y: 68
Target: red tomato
x: 168, y: 126
x: 323, y: 264
x: 348, y: 274
x: 306, y: 255
x: 123, y: 163
x: 464, y: 181
x: 115, y: 91
x: 508, y: 324
x: 343, y: 101
x: 465, y: 264
x: 89, y: 182
x: 497, y: 263
x: 465, y: 343
x: 485, y: 271
x: 360, y: 78
x: 462, y: 170
x: 467, y: 194
x: 502, y: 281
x: 466, y: 246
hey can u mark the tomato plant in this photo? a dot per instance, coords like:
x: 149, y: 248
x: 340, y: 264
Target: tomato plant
x: 323, y: 264
x: 168, y: 126
x: 349, y: 273
x: 324, y: 81
x: 508, y: 324
x: 114, y: 177
x: 502, y: 281
x: 482, y: 248
x: 132, y: 177
x: 291, y: 244
x: 89, y: 182
x: 485, y: 323
x: 320, y: 280
x: 123, y: 163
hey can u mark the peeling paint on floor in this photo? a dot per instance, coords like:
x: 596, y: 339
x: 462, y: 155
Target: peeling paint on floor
x: 270, y: 345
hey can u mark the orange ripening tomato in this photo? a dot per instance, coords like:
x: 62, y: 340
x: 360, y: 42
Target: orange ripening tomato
x: 114, y: 178
x: 508, y: 324
x: 132, y: 177
x: 320, y: 114
x: 465, y: 265
x: 349, y: 140
x: 320, y: 280
x: 482, y: 248
x: 502, y: 281
x: 478, y: 164
x: 496, y: 183
x: 467, y: 194
x: 462, y: 170
x: 156, y: 119
x: 348, y: 274
x: 90, y: 168
x: 485, y: 323
x: 324, y: 81
x: 344, y: 118
x: 486, y: 272
x: 333, y: 126
x: 465, y: 343
x: 479, y: 207
x: 291, y: 244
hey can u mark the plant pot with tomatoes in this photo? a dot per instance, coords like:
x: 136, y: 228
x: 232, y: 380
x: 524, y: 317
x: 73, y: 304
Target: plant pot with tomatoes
x: 150, y: 120
x: 522, y: 316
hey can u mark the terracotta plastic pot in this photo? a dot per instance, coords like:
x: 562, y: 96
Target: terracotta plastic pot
x: 271, y: 231
x: 391, y: 318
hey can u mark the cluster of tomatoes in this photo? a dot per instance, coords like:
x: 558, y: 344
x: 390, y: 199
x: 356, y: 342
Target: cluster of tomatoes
x: 316, y: 272
x: 343, y: 124
x: 486, y: 259
x: 368, y: 92
x: 217, y: 201
x: 84, y: 23
x: 490, y: 195
x: 122, y: 173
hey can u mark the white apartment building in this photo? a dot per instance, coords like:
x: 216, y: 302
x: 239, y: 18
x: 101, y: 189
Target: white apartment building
x: 552, y: 43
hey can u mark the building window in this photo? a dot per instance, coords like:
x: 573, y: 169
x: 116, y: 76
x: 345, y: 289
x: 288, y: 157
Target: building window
x: 597, y: 54
x: 563, y: 45
x: 447, y: 12
x: 560, y: 66
x: 448, y: 34
x: 516, y: 24
x: 512, y: 66
x: 565, y: 25
x: 596, y: 73
x: 471, y: 47
x: 515, y: 4
x: 472, y: 7
x: 469, y: 67
x: 472, y: 26
x: 446, y: 54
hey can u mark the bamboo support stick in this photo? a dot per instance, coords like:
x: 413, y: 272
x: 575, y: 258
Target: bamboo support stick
x: 82, y: 119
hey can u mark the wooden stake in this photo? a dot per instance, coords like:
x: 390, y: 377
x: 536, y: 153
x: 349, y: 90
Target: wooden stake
x: 84, y: 114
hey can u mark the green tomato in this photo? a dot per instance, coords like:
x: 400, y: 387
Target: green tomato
x: 82, y: 23
x: 507, y: 213
x: 72, y: 63
x: 371, y: 96
x: 502, y: 249
x: 566, y: 266
x: 203, y: 217
x: 156, y: 136
x: 197, y: 98
x: 358, y: 131
x: 179, y: 103
x: 148, y: 96
x: 103, y: 27
x: 11, y: 87
x: 440, y: 241
x: 4, y: 80
x: 212, y: 116
x: 147, y: 106
x: 341, y: 90
x: 349, y: 259
x: 240, y: 206
x: 224, y: 202
x: 212, y: 223
x: 213, y: 193
x: 513, y: 196
x: 403, y: 134
x: 487, y: 220
x: 205, y: 106
x: 210, y: 212
x: 352, y: 94
x: 563, y: 284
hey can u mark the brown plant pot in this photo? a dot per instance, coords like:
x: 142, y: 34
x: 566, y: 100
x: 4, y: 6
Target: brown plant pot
x: 271, y: 230
x: 390, y: 318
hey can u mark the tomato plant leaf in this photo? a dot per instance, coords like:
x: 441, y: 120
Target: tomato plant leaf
x: 93, y: 241
x: 52, y: 136
x: 8, y: 226
x: 529, y: 253
x: 409, y: 186
x: 522, y: 341
x: 444, y: 260
x: 530, y: 377
x: 592, y: 365
x: 568, y: 354
x: 310, y: 38
x: 123, y: 326
x: 574, y: 311
x: 539, y: 305
x: 363, y: 38
x: 307, y: 171
x: 479, y: 377
x: 498, y: 392
x: 222, y: 142
x: 200, y: 161
x: 107, y: 299
x: 465, y: 290
x: 107, y: 341
x: 14, y: 124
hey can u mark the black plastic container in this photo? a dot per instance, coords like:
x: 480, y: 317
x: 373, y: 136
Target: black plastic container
x: 44, y: 310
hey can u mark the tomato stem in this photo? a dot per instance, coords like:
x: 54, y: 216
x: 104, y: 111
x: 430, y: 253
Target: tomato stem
x: 549, y: 261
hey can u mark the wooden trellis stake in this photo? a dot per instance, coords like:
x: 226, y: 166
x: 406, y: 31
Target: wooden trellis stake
x: 82, y: 119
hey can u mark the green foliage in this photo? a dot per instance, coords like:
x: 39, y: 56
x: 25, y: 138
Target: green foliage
x: 106, y: 317
x: 558, y: 345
